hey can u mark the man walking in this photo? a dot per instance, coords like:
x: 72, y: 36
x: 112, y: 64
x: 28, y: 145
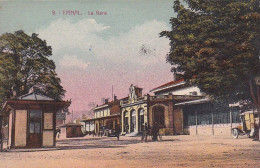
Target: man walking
x: 117, y: 131
x: 146, y: 129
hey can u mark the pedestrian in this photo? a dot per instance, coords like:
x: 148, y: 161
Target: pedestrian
x: 145, y: 134
x: 155, y: 131
x: 93, y: 132
x: 117, y: 131
x: 132, y: 128
x: 126, y: 128
x: 256, y: 132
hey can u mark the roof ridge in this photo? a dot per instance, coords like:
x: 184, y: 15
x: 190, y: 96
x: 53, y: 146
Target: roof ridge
x: 169, y: 83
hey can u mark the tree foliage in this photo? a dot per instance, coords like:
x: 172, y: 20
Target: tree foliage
x: 218, y: 41
x: 25, y: 63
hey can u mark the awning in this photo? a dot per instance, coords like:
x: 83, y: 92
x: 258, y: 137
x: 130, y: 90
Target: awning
x: 198, y: 101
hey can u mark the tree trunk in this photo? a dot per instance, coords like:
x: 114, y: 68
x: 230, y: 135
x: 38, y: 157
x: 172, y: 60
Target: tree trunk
x: 256, y: 101
x: 258, y: 109
x: 1, y: 133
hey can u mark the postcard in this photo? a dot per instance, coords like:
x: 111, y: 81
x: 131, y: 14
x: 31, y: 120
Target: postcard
x: 129, y: 83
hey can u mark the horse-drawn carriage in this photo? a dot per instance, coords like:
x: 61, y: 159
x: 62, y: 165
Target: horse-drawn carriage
x: 148, y: 134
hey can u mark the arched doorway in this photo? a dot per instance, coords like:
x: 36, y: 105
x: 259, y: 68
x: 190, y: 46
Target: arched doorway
x: 140, y: 119
x: 133, y: 121
x: 126, y: 124
x: 158, y: 116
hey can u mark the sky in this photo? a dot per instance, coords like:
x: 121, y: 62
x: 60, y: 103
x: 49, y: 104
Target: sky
x: 92, y: 53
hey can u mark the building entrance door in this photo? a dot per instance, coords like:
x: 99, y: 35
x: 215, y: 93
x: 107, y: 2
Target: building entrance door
x: 126, y: 125
x: 35, y: 127
x: 133, y: 121
x: 141, y: 120
x: 158, y: 116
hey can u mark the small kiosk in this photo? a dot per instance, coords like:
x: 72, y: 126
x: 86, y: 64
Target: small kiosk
x: 32, y: 120
x: 70, y: 130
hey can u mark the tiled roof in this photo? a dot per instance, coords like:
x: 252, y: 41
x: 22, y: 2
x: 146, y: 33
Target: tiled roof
x: 168, y: 84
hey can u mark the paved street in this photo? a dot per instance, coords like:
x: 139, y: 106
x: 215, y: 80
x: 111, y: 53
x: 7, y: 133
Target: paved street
x: 173, y: 151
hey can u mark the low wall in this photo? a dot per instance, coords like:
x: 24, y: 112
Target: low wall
x: 216, y: 129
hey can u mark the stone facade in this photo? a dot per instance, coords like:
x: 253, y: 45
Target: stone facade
x: 164, y: 106
x: 159, y: 109
x: 133, y: 115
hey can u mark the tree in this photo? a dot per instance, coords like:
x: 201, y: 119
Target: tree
x: 218, y: 41
x: 24, y: 64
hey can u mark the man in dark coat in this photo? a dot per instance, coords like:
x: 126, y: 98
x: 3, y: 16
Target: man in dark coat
x: 117, y: 131
x: 146, y: 129
x: 155, y: 131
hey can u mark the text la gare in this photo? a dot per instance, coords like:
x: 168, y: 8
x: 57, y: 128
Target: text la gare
x: 97, y: 13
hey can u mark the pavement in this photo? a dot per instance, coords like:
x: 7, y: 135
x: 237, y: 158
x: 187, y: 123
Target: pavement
x: 130, y: 152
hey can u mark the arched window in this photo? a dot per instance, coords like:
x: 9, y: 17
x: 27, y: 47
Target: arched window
x: 158, y: 115
x: 126, y: 125
x: 141, y: 119
x: 133, y: 121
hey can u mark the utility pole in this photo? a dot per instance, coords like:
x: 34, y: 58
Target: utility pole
x: 112, y: 93
x: 72, y: 116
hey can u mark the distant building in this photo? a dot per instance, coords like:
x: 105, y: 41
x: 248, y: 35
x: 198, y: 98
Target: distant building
x: 106, y: 116
x: 87, y: 122
x: 70, y: 130
x: 88, y: 125
x: 32, y: 120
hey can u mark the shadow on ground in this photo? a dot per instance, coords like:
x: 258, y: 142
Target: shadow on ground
x: 90, y: 143
x: 70, y: 144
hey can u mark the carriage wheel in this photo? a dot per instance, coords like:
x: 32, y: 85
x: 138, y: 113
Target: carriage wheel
x: 235, y: 133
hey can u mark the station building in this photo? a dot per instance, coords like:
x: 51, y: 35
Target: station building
x: 177, y: 107
x: 134, y: 111
x: 138, y: 110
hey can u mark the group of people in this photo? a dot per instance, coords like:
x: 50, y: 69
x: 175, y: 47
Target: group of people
x: 101, y: 133
x: 147, y: 131
x: 154, y: 132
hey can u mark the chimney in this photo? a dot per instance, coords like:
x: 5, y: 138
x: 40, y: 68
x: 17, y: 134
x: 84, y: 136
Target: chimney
x: 115, y: 97
x: 106, y: 101
x: 138, y: 92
